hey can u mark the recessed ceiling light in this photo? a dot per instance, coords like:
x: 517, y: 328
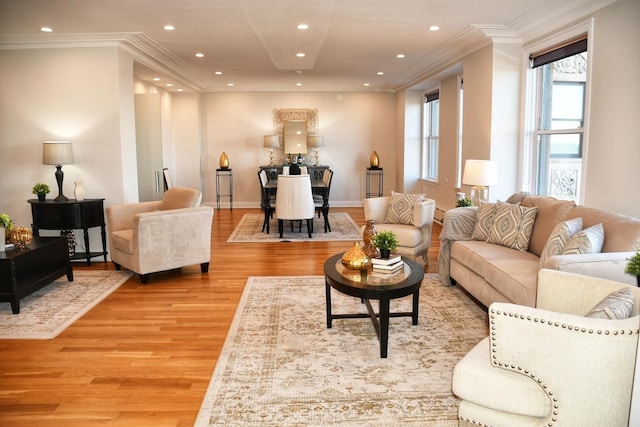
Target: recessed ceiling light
x: 180, y: 90
x: 367, y: 84
x: 218, y: 73
x: 199, y: 55
x: 230, y: 84
x: 169, y: 27
x: 303, y: 27
x: 300, y: 55
x: 169, y: 85
x: 156, y: 79
x: 380, y: 73
x: 434, y: 28
x: 400, y: 55
x: 46, y: 29
x: 298, y: 84
x: 298, y: 71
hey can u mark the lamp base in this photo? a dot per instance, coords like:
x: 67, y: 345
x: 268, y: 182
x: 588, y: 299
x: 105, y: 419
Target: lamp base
x: 59, y: 177
x: 479, y: 195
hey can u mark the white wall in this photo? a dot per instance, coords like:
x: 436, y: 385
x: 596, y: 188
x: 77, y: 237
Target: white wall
x: 353, y: 125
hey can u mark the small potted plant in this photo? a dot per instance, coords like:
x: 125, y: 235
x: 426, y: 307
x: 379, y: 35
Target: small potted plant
x: 41, y: 189
x: 633, y: 266
x: 464, y: 203
x: 385, y: 241
x: 6, y: 225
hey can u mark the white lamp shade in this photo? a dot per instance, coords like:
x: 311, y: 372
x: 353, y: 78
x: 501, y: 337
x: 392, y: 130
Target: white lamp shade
x: 315, y: 140
x: 57, y: 153
x: 480, y: 173
x: 271, y: 141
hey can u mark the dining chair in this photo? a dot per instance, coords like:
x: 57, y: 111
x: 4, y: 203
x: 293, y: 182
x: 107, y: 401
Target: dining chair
x: 294, y: 201
x: 267, y: 200
x: 321, y: 198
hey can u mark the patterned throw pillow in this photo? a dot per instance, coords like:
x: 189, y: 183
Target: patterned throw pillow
x: 617, y: 305
x: 484, y: 220
x: 559, y: 238
x: 401, y: 208
x: 512, y: 226
x: 587, y: 241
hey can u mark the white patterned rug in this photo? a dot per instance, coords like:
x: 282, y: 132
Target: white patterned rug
x: 281, y: 366
x: 49, y: 311
x: 249, y: 229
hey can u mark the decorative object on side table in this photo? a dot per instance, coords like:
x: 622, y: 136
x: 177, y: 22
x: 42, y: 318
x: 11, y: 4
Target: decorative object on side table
x: 464, y: 203
x: 71, y: 241
x: 385, y: 241
x: 58, y: 153
x: 314, y: 141
x: 356, y: 259
x: 633, y: 266
x: 224, y: 161
x: 79, y: 191
x: 6, y: 225
x: 480, y: 174
x: 367, y: 236
x: 21, y: 236
x: 41, y: 190
x: 374, y: 161
x: 271, y: 142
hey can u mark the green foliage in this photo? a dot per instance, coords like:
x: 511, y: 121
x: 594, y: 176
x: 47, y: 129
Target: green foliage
x: 385, y: 240
x: 40, y: 188
x: 633, y: 266
x: 464, y: 202
x: 6, y: 222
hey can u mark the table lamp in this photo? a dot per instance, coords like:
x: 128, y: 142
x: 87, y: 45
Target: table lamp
x: 271, y: 141
x: 57, y: 153
x: 480, y: 174
x: 315, y: 140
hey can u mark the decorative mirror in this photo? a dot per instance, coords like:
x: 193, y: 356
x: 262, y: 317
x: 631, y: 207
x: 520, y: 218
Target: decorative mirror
x: 295, y: 137
x: 304, y: 120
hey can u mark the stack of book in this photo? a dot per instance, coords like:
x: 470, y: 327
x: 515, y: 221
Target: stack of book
x: 390, y: 265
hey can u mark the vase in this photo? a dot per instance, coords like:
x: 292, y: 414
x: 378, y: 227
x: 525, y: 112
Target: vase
x: 374, y: 161
x: 367, y: 236
x: 224, y: 161
x: 71, y: 241
x: 79, y: 191
x: 21, y: 236
x: 385, y: 253
x: 2, y: 242
x: 41, y: 197
x: 356, y: 259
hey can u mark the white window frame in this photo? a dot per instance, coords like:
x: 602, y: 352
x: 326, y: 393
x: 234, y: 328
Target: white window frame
x: 531, y: 102
x: 430, y: 143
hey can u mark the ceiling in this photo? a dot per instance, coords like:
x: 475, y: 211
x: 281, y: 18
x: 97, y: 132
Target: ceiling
x: 254, y: 43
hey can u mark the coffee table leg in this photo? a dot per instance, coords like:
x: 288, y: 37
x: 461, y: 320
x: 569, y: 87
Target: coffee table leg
x: 414, y: 313
x: 384, y: 326
x: 328, y: 300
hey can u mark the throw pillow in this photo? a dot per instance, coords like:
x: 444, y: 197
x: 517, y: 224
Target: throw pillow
x: 559, y: 238
x: 401, y: 208
x: 587, y: 241
x: 617, y: 305
x: 512, y: 226
x: 484, y: 220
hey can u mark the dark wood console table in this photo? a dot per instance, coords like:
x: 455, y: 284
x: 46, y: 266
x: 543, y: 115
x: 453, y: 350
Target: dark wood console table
x: 71, y: 215
x: 315, y: 172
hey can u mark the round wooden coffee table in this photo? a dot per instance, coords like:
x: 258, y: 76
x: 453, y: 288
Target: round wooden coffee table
x: 374, y: 286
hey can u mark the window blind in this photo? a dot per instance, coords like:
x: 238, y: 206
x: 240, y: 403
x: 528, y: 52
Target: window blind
x: 565, y: 50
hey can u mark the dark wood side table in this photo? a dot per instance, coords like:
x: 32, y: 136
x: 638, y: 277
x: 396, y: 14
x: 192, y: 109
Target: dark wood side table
x: 372, y: 286
x: 71, y: 215
x: 25, y: 270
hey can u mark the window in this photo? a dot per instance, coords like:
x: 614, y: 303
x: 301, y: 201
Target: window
x: 560, y: 76
x: 431, y: 139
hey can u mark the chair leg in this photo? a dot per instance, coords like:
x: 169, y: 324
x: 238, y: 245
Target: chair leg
x: 280, y: 227
x: 118, y: 266
x: 309, y: 226
x: 327, y: 226
x: 204, y: 267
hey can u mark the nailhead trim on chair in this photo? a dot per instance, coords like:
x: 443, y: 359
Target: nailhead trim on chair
x: 495, y: 313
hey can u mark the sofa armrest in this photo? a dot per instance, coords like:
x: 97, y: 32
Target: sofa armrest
x: 376, y: 209
x: 584, y: 365
x: 423, y: 213
x: 607, y: 265
x: 120, y: 217
x: 458, y: 224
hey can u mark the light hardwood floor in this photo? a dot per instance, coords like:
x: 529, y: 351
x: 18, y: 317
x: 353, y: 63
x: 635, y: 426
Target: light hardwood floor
x: 144, y: 356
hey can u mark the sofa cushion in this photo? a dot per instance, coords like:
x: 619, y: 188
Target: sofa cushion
x: 122, y: 240
x: 484, y: 220
x: 401, y: 208
x: 550, y: 212
x: 407, y: 236
x: 617, y: 305
x: 559, y: 237
x: 179, y: 198
x: 512, y: 226
x: 622, y: 233
x: 587, y: 241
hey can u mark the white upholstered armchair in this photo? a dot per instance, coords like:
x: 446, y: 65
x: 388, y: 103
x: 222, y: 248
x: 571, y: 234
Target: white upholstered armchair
x: 551, y: 365
x: 149, y: 237
x: 413, y: 230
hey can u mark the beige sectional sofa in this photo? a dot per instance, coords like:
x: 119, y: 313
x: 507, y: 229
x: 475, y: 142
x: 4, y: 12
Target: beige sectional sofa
x: 493, y: 272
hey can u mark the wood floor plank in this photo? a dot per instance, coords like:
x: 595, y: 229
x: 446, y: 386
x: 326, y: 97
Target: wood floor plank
x: 144, y: 355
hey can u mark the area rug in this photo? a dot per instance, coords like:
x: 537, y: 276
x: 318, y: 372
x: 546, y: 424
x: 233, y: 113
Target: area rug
x: 49, y: 311
x: 281, y: 366
x: 249, y: 229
